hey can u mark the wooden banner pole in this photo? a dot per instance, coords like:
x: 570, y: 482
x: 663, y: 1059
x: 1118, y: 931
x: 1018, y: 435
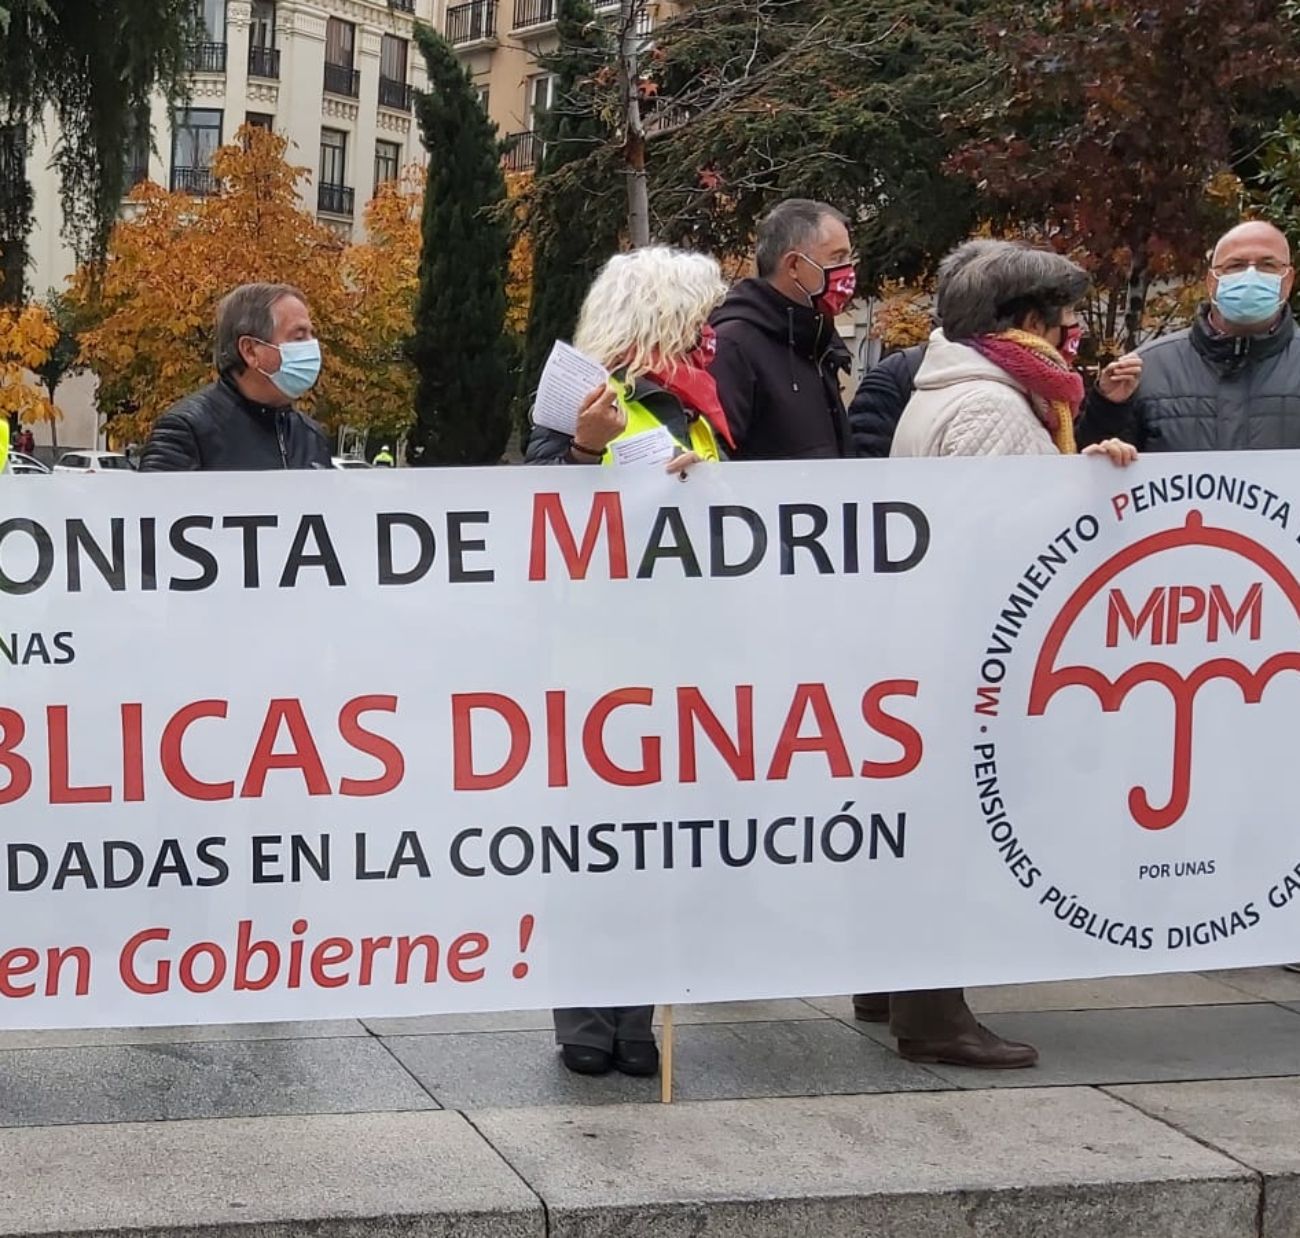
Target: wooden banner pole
x: 666, y: 1059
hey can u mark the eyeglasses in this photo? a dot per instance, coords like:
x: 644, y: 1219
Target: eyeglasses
x: 1265, y: 266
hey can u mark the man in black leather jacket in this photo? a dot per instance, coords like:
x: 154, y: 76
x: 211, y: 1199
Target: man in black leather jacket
x: 266, y: 356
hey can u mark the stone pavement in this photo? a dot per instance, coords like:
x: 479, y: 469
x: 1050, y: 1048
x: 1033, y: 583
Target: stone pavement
x: 1164, y: 1107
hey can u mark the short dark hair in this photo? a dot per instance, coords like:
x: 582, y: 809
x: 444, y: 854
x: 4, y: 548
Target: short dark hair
x: 791, y: 225
x: 1004, y: 282
x: 248, y: 310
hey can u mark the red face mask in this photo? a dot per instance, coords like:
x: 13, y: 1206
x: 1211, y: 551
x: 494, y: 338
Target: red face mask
x: 701, y: 356
x: 1071, y: 338
x: 837, y: 295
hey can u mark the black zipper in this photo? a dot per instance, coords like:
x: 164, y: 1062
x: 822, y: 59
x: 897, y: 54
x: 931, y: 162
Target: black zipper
x: 279, y: 437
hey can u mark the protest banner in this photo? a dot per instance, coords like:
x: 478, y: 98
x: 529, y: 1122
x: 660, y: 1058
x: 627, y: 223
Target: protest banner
x: 318, y: 746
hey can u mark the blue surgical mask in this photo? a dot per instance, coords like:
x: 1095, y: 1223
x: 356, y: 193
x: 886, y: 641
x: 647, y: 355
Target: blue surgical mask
x: 299, y: 366
x: 1248, y: 298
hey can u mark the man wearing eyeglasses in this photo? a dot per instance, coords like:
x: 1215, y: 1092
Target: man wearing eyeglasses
x: 1229, y: 383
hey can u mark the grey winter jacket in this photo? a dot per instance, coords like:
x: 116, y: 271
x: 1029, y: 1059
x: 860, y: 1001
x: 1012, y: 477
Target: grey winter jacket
x: 1201, y: 391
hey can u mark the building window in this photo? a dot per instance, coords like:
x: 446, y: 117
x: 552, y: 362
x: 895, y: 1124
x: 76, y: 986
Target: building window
x: 341, y: 78
x: 340, y: 43
x: 260, y: 120
x: 261, y: 33
x: 388, y: 162
x: 541, y: 94
x: 393, y: 90
x: 196, y: 136
x: 392, y: 58
x: 483, y: 96
x: 263, y: 55
x: 333, y: 157
x: 214, y: 20
x: 334, y: 196
x: 138, y: 150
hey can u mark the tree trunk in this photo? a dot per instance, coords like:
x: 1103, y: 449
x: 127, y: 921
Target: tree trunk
x: 638, y: 191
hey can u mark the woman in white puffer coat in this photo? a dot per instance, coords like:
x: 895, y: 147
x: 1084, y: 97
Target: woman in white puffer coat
x: 998, y: 379
x: 998, y: 376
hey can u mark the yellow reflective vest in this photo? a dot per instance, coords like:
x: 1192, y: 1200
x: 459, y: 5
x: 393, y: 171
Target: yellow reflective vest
x: 4, y: 442
x: 701, y: 439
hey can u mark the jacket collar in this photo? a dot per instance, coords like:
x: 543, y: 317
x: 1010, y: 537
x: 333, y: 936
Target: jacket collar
x: 801, y: 327
x: 1233, y: 351
x: 250, y: 406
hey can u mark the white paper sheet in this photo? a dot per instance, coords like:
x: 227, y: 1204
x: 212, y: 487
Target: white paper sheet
x: 568, y: 379
x: 655, y: 446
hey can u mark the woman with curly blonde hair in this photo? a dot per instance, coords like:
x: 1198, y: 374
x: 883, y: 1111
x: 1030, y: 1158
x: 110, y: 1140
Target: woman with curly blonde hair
x: 645, y: 320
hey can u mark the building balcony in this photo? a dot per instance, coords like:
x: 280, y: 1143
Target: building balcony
x: 393, y: 94
x: 522, y: 151
x: 264, y: 62
x: 336, y: 200
x: 197, y: 182
x: 341, y: 79
x: 644, y: 13
x: 472, y: 23
x: 207, y: 57
x: 534, y: 14
x: 402, y: 6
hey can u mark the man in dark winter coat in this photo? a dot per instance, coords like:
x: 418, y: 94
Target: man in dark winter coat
x: 267, y: 356
x: 885, y: 389
x: 780, y: 359
x: 1231, y: 382
x: 882, y: 395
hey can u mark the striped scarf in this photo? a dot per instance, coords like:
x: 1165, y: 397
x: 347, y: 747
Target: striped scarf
x: 1055, y: 390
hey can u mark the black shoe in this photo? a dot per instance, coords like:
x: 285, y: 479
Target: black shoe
x: 636, y: 1057
x: 584, y: 1060
x: 871, y: 1007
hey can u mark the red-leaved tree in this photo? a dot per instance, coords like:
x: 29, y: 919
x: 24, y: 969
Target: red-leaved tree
x: 1120, y: 128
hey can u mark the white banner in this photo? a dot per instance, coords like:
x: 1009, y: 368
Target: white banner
x: 309, y: 746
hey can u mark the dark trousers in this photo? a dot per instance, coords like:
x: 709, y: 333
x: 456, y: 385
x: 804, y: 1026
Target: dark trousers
x: 598, y: 1027
x: 925, y: 1014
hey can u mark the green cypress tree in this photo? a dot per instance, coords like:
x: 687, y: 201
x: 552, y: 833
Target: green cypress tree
x: 459, y: 348
x: 575, y: 217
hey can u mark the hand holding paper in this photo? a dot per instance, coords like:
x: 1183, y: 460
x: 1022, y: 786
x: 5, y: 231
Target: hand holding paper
x: 566, y: 384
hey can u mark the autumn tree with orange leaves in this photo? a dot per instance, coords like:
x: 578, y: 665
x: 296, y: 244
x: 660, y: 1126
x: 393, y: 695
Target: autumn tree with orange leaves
x: 27, y: 337
x: 173, y: 257
x: 382, y: 278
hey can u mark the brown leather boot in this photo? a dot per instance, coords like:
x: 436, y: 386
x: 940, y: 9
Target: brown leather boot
x: 977, y: 1048
x: 871, y: 1007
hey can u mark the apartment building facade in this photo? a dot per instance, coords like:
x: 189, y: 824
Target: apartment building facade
x: 500, y: 43
x: 336, y: 77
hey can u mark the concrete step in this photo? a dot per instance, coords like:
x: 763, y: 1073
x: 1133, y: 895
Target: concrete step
x: 1192, y: 1160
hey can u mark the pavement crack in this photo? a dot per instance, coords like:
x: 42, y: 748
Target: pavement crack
x: 1258, y: 1175
x: 505, y: 1160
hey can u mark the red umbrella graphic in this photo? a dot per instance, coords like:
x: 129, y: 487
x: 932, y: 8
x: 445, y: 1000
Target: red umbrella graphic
x: 1049, y: 679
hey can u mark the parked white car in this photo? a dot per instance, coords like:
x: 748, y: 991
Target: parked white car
x: 93, y: 462
x: 20, y: 462
x: 349, y: 462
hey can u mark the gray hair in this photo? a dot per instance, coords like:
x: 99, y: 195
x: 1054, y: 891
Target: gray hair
x: 994, y: 288
x: 249, y: 310
x: 959, y: 260
x: 789, y: 226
